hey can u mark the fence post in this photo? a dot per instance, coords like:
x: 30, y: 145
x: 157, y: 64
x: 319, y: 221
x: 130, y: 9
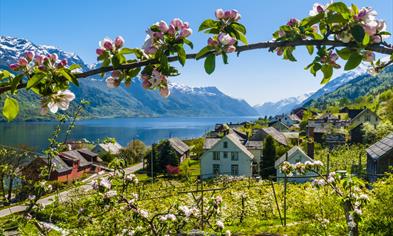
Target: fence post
x: 275, y: 199
x: 328, y: 164
x: 202, y: 226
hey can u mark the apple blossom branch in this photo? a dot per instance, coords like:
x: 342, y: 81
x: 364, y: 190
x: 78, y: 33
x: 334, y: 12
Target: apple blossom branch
x: 271, y: 45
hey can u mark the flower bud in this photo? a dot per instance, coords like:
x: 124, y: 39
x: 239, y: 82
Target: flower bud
x: 172, y: 30
x: 219, y: 14
x: 100, y: 51
x: 53, y: 57
x: 163, y: 26
x: 119, y: 41
x: 233, y: 14
x: 164, y: 92
x: 29, y: 55
x: 177, y: 23
x: 146, y: 84
x: 127, y: 84
x: 107, y: 44
x: 185, y: 33
x: 368, y: 56
x: 116, y: 73
x: 186, y: 25
x: 227, y: 15
x: 14, y: 67
x: 63, y: 62
x: 212, y: 42
x: 292, y: 22
x: 376, y: 39
x: 230, y: 49
x: 23, y: 62
x: 112, y: 82
x: 38, y: 59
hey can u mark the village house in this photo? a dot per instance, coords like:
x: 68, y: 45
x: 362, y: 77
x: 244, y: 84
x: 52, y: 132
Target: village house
x: 287, y: 119
x: 293, y: 156
x: 67, y: 166
x: 379, y: 158
x: 226, y: 156
x: 111, y: 148
x: 182, y: 150
x: 278, y: 125
x: 261, y: 135
x: 357, y: 124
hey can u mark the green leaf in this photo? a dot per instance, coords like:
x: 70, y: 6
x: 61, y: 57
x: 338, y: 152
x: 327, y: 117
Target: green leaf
x: 189, y: 43
x: 210, y: 63
x: 340, y: 8
x: 242, y: 37
x: 355, y: 9
x: 4, y: 74
x: 35, y: 79
x: 164, y: 63
x: 315, y: 68
x: 288, y: 54
x: 128, y: 51
x: 10, y: 108
x: 239, y: 27
x: 15, y: 81
x: 327, y: 71
x: 310, y: 49
x: 225, y: 58
x: 354, y: 60
x: 207, y: 24
x: 312, y: 20
x: 203, y: 52
x: 74, y: 66
x: 133, y: 72
x: 366, y: 39
x: 344, y: 53
x: 69, y: 77
x: 357, y: 32
x: 181, y: 54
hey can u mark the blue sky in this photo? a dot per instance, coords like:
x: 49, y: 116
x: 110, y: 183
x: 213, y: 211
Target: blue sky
x: 256, y: 76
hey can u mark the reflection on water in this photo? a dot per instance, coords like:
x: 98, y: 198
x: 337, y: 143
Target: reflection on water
x: 149, y: 130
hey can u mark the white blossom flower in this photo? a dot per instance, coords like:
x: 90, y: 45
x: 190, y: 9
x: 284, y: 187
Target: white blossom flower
x: 358, y: 211
x: 105, y: 183
x: 171, y: 217
x: 31, y: 197
x: 220, y: 224
x: 144, y: 213
x: 110, y: 194
x: 187, y: 211
x: 363, y: 197
x: 60, y: 100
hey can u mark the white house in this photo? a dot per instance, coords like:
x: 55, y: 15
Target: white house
x: 227, y: 156
x: 294, y: 156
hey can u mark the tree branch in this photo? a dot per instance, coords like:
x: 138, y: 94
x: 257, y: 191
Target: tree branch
x: 270, y: 44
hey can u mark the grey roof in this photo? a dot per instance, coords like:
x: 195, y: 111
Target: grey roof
x: 59, y: 165
x: 179, y: 145
x: 291, y: 135
x: 233, y: 137
x: 87, y: 152
x: 291, y: 153
x: 75, y: 156
x: 261, y: 134
x: 254, y: 144
x: 113, y: 148
x: 381, y: 147
x: 320, y: 130
x: 209, y: 143
x: 294, y: 117
x: 361, y: 113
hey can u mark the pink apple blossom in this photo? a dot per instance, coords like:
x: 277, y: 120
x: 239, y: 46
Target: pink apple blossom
x: 39, y: 59
x: 23, y: 62
x: 317, y: 9
x: 219, y: 14
x: 165, y: 92
x: 163, y: 26
x: 53, y: 57
x: 226, y: 39
x: 292, y: 22
x: 29, y: 55
x: 60, y: 100
x: 230, y: 49
x: 14, y: 67
x: 100, y: 51
x: 212, y: 42
x: 186, y: 32
x: 177, y: 23
x: 112, y: 82
x: 119, y: 41
x: 107, y: 44
x: 368, y: 56
x: 172, y: 30
x: 116, y: 73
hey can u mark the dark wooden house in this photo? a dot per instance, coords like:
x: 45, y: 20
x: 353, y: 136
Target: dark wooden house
x: 380, y: 157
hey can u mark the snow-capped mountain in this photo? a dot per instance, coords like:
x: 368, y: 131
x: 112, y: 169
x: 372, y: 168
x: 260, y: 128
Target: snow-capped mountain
x: 125, y: 102
x: 337, y: 82
x: 282, y: 106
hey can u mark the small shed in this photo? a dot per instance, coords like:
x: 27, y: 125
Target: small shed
x: 379, y: 157
x: 182, y: 149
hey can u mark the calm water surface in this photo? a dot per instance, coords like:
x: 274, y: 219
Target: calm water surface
x: 149, y: 130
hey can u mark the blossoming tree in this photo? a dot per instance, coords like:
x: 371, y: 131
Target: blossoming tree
x: 330, y: 32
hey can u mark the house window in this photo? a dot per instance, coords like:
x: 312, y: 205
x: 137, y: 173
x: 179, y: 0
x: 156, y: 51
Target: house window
x: 225, y: 144
x: 234, y: 156
x: 216, y: 169
x: 235, y: 170
x: 368, y: 118
x: 225, y: 154
x: 216, y: 156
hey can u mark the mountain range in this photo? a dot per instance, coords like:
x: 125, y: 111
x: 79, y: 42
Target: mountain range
x: 122, y: 101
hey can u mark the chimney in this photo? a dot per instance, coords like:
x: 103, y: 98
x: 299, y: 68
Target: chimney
x: 310, y: 149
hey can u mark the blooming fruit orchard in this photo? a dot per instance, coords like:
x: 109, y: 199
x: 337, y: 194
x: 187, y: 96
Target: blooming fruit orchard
x: 330, y: 32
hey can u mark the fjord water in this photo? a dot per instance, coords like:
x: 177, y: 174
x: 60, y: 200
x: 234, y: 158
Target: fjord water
x: 149, y: 130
